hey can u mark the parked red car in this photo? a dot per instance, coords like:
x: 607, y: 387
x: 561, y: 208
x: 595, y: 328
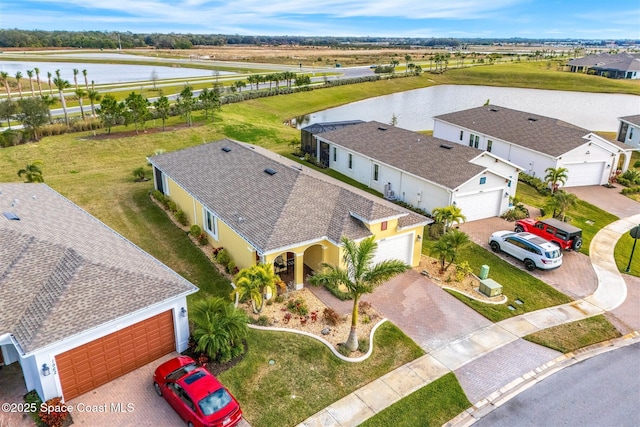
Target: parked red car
x: 562, y: 234
x: 195, y: 394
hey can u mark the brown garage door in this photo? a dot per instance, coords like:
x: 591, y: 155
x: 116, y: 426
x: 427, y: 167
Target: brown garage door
x: 98, y: 362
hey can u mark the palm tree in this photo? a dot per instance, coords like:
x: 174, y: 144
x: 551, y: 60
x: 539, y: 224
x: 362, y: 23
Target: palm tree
x: 554, y: 176
x: 219, y: 328
x: 62, y: 84
x: 253, y: 282
x: 239, y: 84
x: 37, y: 70
x: 94, y: 96
x: 560, y: 202
x: 49, y: 101
x: 18, y: 78
x: 448, y: 216
x: 50, y: 85
x: 446, y: 248
x: 32, y: 172
x: 407, y: 58
x: 4, y: 78
x: 359, y: 276
x: 86, y: 81
x: 30, y: 75
x: 81, y: 93
x: 75, y: 77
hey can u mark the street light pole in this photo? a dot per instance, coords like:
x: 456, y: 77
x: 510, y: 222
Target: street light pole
x: 635, y: 233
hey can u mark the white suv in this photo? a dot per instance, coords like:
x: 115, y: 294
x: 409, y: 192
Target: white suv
x: 533, y: 250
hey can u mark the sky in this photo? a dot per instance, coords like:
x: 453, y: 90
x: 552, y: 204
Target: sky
x: 576, y: 19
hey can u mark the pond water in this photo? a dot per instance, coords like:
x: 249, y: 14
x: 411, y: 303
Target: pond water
x: 415, y: 109
x: 105, y: 73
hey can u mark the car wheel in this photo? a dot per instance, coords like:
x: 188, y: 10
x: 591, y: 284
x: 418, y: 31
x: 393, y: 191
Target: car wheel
x: 157, y: 387
x: 519, y: 229
x: 529, y: 265
x: 577, y: 243
x: 495, y: 247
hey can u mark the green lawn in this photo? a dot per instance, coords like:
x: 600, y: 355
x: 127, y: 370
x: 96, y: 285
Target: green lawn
x: 432, y: 405
x: 306, y: 377
x: 622, y: 255
x: 575, y: 335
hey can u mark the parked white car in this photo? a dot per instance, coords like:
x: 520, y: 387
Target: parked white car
x: 533, y: 250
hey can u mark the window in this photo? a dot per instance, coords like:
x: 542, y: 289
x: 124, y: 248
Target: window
x: 335, y: 154
x: 483, y: 180
x: 210, y: 223
x: 165, y: 185
x: 476, y: 142
x: 470, y: 140
x: 376, y: 170
x: 383, y: 225
x: 631, y: 133
x: 510, y: 181
x: 350, y: 161
x: 461, y: 134
x: 489, y: 145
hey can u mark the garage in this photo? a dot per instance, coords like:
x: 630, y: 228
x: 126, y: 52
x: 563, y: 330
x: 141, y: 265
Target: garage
x: 580, y: 174
x: 481, y: 205
x: 398, y: 247
x: 100, y: 361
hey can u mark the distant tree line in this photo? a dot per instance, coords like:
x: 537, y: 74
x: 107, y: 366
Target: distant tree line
x: 15, y: 38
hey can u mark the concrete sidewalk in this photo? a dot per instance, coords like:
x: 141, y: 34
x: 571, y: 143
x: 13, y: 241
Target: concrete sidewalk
x: 383, y: 392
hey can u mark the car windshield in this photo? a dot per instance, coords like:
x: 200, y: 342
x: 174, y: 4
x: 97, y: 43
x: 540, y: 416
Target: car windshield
x: 214, y: 402
x: 553, y: 254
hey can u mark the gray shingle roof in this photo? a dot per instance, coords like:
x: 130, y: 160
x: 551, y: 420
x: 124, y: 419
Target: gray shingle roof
x: 609, y: 61
x: 539, y: 133
x: 274, y: 211
x: 63, y: 272
x: 634, y: 120
x: 322, y: 127
x: 418, y: 154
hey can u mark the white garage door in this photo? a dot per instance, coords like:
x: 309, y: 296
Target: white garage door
x: 480, y: 205
x: 584, y: 174
x: 398, y: 247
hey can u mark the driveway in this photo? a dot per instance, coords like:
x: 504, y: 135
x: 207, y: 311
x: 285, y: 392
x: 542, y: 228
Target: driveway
x: 608, y: 199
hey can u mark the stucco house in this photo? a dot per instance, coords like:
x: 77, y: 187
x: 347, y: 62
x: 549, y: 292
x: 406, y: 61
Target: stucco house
x: 629, y: 131
x: 264, y: 208
x: 421, y: 170
x: 535, y: 143
x: 80, y: 304
x: 613, y: 65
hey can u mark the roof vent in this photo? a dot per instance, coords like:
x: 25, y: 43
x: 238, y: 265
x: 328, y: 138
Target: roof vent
x: 11, y: 216
x: 448, y: 147
x: 531, y: 120
x: 226, y: 149
x: 270, y: 171
x: 381, y: 128
x: 494, y: 109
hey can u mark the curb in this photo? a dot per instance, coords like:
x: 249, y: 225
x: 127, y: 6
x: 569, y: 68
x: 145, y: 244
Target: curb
x: 531, y: 378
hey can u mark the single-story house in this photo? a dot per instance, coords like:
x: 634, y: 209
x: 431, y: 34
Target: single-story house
x: 421, y: 170
x: 264, y: 208
x: 535, y: 143
x: 80, y: 304
x: 629, y: 130
x: 613, y: 65
x: 309, y: 142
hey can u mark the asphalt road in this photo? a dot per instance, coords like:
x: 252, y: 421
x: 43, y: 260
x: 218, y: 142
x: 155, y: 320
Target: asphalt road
x: 601, y: 391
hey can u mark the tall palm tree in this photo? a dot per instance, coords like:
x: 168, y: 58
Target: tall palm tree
x: 407, y: 58
x: 253, y: 282
x: 219, y: 328
x: 81, y: 93
x: 37, y: 70
x: 446, y: 248
x: 554, y: 176
x: 4, y: 78
x: 94, y: 96
x: 86, y: 81
x: 18, y: 78
x: 359, y: 275
x: 62, y: 84
x: 50, y: 85
x: 49, y: 101
x: 75, y: 77
x: 30, y: 75
x: 448, y: 216
x: 32, y: 172
x: 560, y: 202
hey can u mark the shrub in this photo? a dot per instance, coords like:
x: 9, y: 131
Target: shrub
x: 363, y: 345
x: 364, y: 307
x: 540, y: 186
x: 156, y: 194
x: 633, y: 176
x: 203, y: 240
x: 262, y: 321
x: 181, y: 217
x: 630, y: 190
x: 331, y: 316
x: 223, y: 257
x: 195, y: 231
x: 463, y: 270
x: 54, y: 413
x: 171, y: 205
x: 623, y: 181
x: 298, y: 306
x: 231, y: 267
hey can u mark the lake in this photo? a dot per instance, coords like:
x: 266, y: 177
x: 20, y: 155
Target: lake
x: 415, y: 109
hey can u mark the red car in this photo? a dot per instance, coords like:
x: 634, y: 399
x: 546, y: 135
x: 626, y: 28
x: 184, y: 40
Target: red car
x: 562, y: 234
x: 195, y: 394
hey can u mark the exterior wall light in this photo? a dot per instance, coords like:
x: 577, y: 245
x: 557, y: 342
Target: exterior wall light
x: 183, y: 312
x: 46, y: 371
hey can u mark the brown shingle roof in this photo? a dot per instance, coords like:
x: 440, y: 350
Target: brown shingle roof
x: 420, y: 155
x: 274, y: 211
x: 539, y: 133
x: 63, y: 272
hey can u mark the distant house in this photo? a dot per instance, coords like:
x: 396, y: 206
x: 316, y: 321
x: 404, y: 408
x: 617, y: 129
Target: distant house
x: 535, y: 143
x: 629, y: 130
x: 612, y: 65
x: 80, y: 304
x: 264, y: 208
x: 309, y: 140
x: 420, y: 170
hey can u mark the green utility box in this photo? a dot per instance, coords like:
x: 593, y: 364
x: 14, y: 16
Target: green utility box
x: 490, y: 287
x: 484, y: 272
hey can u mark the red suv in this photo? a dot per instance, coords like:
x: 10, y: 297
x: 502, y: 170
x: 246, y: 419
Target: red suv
x: 562, y: 234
